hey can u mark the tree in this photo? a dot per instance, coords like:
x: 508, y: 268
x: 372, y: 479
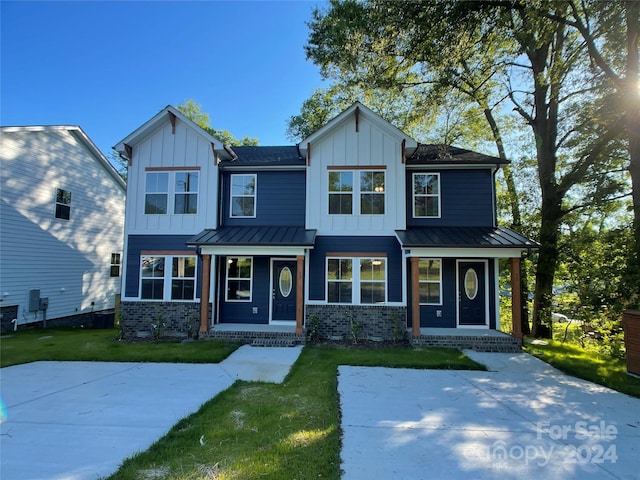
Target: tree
x: 490, y: 53
x: 193, y: 111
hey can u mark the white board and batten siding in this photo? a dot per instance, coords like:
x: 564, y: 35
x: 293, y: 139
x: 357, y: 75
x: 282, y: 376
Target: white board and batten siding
x: 69, y: 261
x: 342, y: 146
x: 172, y: 150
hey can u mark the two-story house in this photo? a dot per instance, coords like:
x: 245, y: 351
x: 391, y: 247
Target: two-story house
x: 357, y: 230
x: 62, y: 228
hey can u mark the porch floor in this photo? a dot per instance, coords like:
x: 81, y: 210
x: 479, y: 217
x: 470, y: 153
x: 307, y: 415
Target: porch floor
x: 260, y: 335
x: 480, y: 340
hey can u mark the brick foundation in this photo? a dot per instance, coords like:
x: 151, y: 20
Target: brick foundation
x: 177, y: 317
x: 366, y: 321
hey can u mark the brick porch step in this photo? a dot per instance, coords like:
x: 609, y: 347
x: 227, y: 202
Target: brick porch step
x: 258, y: 339
x: 479, y: 343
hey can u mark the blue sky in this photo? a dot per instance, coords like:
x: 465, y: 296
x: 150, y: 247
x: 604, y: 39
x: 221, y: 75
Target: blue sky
x: 110, y: 66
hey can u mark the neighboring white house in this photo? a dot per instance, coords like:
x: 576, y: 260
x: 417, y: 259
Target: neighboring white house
x: 61, y: 225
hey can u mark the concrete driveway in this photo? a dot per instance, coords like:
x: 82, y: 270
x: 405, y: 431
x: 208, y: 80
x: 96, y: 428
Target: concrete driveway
x: 80, y: 420
x: 521, y: 420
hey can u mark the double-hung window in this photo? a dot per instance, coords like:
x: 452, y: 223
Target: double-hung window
x: 356, y: 280
x: 430, y: 281
x: 63, y: 204
x: 243, y: 196
x: 170, y: 277
x: 239, y: 279
x: 115, y: 265
x: 426, y: 195
x: 356, y: 192
x: 181, y: 186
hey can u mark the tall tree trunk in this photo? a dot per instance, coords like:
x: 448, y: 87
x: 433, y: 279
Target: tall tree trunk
x: 632, y: 100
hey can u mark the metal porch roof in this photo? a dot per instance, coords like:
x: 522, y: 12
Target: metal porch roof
x: 255, y: 236
x: 464, y: 237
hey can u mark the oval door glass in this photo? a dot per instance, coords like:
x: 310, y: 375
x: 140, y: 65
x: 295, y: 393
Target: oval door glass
x: 471, y: 283
x: 285, y: 282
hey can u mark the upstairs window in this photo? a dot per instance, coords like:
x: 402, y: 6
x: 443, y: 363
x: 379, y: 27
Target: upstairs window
x: 63, y: 204
x: 426, y: 195
x: 243, y: 196
x: 115, y: 265
x: 181, y: 186
x: 372, y: 193
x: 366, y: 185
x: 340, y: 193
x: 186, y: 193
x: 156, y: 193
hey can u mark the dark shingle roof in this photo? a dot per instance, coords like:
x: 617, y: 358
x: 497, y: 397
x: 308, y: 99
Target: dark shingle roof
x: 254, y: 236
x: 427, y: 154
x: 464, y: 237
x: 262, y: 156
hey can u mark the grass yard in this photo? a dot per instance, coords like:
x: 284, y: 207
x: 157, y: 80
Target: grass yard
x: 101, y: 345
x: 277, y: 431
x: 586, y: 363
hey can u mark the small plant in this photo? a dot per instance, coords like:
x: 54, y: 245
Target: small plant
x: 192, y: 325
x: 120, y: 324
x: 157, y: 328
x: 313, y: 328
x: 356, y: 327
x: 397, y: 331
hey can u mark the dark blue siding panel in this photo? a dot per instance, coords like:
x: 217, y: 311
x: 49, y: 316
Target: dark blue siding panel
x: 242, y: 312
x: 466, y: 199
x: 428, y: 313
x: 138, y: 243
x: 389, y: 245
x: 280, y: 202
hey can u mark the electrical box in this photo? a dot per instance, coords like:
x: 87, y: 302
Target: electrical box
x: 44, y: 303
x: 34, y: 300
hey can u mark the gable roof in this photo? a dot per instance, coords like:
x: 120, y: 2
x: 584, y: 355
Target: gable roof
x: 161, y: 117
x: 358, y: 109
x: 431, y: 154
x: 80, y: 135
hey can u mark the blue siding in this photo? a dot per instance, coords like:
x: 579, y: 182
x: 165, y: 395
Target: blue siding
x: 242, y: 312
x: 280, y: 201
x: 466, y: 199
x: 138, y: 243
x: 317, y: 265
x: 428, y: 315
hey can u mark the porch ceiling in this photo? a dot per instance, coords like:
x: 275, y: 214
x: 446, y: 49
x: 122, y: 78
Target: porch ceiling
x: 464, y: 237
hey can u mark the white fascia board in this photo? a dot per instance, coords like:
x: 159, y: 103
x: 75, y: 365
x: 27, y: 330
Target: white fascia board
x: 150, y: 125
x: 465, y: 252
x: 230, y: 250
x: 380, y: 122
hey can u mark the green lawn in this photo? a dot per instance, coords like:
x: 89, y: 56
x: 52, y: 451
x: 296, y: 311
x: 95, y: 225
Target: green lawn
x: 276, y: 431
x: 102, y: 345
x: 586, y: 363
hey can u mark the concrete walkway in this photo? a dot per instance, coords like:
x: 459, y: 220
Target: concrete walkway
x: 80, y: 420
x: 520, y: 420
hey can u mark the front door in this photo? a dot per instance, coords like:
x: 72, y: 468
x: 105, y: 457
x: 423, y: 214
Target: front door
x: 472, y: 301
x: 283, y: 290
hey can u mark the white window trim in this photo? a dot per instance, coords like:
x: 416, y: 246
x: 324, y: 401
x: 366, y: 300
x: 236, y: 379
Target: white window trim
x: 226, y: 281
x: 413, y: 195
x: 171, y: 191
x: 356, y: 281
x: 431, y: 281
x: 356, y: 192
x: 255, y: 195
x: 167, y: 278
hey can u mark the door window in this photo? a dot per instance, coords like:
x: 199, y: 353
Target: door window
x: 471, y: 283
x: 285, y: 282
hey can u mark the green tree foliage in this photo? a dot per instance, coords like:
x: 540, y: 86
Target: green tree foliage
x: 193, y: 111
x: 491, y: 52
